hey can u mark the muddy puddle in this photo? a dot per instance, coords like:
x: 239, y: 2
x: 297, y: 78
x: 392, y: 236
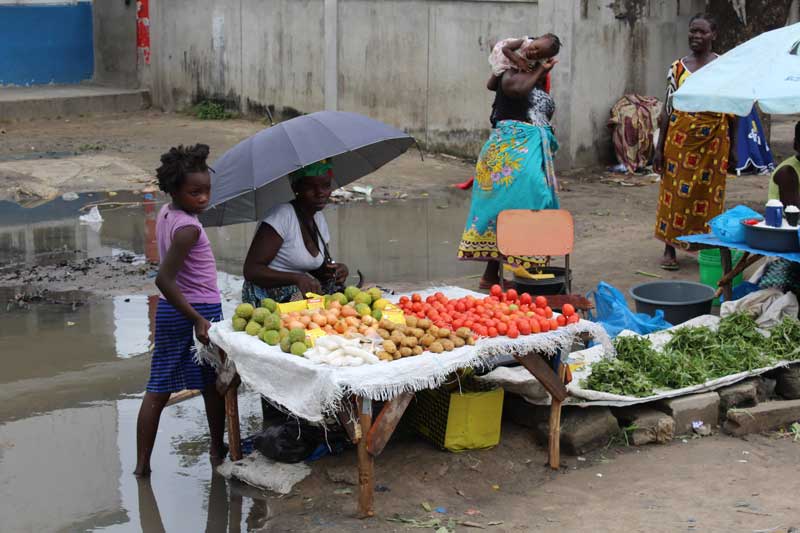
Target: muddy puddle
x: 404, y: 241
x: 75, y: 363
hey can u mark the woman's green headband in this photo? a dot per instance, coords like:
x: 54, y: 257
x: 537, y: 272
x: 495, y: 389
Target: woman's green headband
x: 320, y: 168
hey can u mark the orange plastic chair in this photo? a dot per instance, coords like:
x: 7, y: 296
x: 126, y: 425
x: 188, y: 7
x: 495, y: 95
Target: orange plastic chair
x: 550, y: 232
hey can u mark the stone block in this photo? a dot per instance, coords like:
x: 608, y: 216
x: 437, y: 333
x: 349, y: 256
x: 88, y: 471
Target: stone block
x: 647, y: 425
x: 582, y: 429
x: 766, y: 388
x: 687, y: 409
x: 762, y: 417
x: 788, y: 382
x: 743, y: 394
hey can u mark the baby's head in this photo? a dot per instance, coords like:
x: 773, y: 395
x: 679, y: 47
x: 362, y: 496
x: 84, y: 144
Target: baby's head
x: 544, y: 47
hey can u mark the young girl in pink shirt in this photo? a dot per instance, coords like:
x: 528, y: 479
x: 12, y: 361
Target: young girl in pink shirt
x: 190, y: 301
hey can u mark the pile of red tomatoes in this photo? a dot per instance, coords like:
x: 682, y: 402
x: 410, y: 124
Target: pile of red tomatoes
x: 499, y: 314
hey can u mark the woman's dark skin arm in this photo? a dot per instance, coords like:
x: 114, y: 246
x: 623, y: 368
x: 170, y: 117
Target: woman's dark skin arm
x: 518, y: 84
x: 658, y: 157
x: 510, y: 51
x: 493, y: 82
x: 263, y: 250
x: 182, y: 243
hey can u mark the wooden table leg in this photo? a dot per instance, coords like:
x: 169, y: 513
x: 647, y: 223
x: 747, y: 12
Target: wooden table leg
x: 553, y: 382
x: 231, y: 393
x: 232, y: 415
x: 366, y: 462
x: 349, y: 421
x: 554, y: 444
x: 386, y: 422
x: 725, y: 257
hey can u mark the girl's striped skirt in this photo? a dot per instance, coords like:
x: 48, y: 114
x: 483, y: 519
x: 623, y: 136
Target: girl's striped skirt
x: 173, y: 368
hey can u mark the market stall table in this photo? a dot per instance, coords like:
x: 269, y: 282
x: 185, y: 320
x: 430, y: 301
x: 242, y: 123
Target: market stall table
x: 730, y: 271
x: 313, y: 391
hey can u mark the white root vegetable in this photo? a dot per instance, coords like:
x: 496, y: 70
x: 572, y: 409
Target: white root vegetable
x: 366, y: 356
x: 339, y: 351
x: 331, y: 342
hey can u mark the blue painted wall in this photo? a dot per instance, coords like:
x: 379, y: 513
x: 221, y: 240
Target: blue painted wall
x: 46, y: 44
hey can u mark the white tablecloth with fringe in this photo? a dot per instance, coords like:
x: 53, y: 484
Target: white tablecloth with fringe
x: 311, y: 391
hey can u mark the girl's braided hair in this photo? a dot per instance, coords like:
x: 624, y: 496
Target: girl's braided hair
x: 179, y: 162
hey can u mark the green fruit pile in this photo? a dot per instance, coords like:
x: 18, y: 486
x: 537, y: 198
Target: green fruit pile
x: 264, y: 322
x: 369, y: 302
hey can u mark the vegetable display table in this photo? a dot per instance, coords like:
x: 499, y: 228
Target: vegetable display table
x: 311, y: 391
x: 729, y: 270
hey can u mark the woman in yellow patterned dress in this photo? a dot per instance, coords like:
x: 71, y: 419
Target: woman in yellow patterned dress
x: 693, y: 153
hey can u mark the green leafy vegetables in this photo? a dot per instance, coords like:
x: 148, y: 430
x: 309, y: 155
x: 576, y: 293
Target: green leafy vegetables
x: 693, y: 356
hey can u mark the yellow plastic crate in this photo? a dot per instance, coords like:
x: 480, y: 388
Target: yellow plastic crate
x: 459, y: 421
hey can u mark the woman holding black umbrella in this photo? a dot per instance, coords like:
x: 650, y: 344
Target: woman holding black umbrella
x: 289, y: 256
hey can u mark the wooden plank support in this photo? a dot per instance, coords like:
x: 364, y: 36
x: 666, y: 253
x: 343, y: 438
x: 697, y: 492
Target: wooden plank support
x: 554, y: 437
x: 178, y: 397
x: 232, y: 415
x: 366, y: 462
x: 386, y: 422
x: 544, y: 374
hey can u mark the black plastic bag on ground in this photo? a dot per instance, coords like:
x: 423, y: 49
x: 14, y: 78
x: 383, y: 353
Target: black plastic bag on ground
x: 286, y: 443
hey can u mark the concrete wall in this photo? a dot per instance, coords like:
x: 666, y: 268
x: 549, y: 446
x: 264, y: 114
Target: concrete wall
x: 115, y: 43
x: 417, y: 64
x: 612, y: 49
x: 266, y: 53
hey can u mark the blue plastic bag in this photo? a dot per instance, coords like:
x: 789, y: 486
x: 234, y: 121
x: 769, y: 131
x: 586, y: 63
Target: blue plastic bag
x: 728, y: 226
x: 742, y: 290
x: 613, y: 314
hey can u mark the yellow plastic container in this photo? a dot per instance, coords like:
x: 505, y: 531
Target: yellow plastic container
x: 459, y: 421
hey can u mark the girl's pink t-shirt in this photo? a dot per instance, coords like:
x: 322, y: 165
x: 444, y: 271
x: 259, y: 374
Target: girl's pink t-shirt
x: 197, y: 279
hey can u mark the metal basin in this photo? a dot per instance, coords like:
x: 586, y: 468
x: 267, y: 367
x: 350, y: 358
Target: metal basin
x: 772, y: 239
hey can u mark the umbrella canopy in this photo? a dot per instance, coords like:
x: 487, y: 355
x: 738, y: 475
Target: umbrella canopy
x: 764, y: 70
x: 251, y: 177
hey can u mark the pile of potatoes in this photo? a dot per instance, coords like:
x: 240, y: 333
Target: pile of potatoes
x: 417, y: 336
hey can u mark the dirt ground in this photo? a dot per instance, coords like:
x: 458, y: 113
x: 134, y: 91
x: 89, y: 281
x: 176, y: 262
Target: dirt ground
x: 711, y: 484
x: 116, y: 152
x: 714, y: 484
